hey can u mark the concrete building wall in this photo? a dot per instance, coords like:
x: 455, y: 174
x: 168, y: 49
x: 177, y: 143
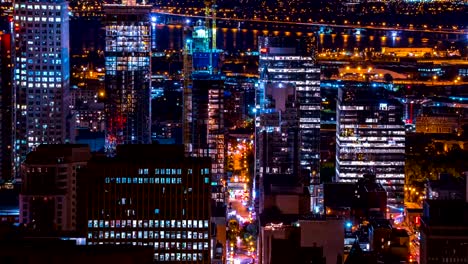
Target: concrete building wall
x: 328, y: 234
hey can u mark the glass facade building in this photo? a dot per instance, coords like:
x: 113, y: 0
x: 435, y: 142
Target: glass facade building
x: 41, y: 75
x: 370, y: 138
x: 128, y: 70
x: 288, y: 110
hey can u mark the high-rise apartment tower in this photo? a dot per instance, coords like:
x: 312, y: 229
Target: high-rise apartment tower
x: 41, y: 76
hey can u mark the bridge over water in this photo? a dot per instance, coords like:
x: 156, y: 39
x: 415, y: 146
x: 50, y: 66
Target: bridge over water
x: 180, y: 19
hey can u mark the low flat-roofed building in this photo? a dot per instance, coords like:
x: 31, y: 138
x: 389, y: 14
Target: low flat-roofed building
x: 302, y: 240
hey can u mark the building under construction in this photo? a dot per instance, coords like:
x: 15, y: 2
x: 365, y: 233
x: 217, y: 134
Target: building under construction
x: 204, y: 133
x: 203, y: 120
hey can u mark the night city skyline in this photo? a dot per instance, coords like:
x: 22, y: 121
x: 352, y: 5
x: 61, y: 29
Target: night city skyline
x: 234, y: 132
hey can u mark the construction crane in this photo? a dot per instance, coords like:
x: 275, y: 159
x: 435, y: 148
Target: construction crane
x: 213, y: 25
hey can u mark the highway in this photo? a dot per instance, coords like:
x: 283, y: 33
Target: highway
x: 319, y: 24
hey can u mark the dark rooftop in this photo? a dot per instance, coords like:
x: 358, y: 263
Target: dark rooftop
x: 399, y: 232
x: 381, y: 223
x: 58, y: 153
x: 338, y: 195
x: 445, y: 212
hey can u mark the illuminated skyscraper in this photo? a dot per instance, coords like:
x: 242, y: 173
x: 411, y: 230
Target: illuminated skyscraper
x: 370, y: 138
x: 41, y: 75
x: 128, y: 80
x: 288, y: 111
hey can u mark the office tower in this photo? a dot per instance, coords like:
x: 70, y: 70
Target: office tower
x: 49, y: 187
x: 6, y: 108
x: 41, y: 76
x: 370, y: 138
x: 288, y: 111
x: 150, y: 195
x: 127, y: 80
